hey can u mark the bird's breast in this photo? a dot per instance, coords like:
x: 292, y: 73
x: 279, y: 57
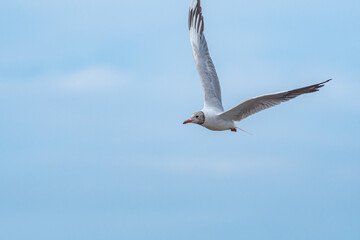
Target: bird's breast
x: 215, y: 123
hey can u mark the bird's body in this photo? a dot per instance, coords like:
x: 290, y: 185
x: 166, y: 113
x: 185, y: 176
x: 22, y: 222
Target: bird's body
x: 216, y: 123
x: 213, y: 116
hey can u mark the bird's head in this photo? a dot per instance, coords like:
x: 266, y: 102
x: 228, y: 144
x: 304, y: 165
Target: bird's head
x: 198, y: 118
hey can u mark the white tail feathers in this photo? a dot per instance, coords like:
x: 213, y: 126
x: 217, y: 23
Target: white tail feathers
x: 243, y: 130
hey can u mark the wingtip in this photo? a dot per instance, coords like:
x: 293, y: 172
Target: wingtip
x: 327, y: 81
x: 196, y: 19
x: 320, y: 85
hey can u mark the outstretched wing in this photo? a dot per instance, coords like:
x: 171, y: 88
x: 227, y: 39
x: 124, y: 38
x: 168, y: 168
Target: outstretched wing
x: 258, y: 104
x: 204, y: 64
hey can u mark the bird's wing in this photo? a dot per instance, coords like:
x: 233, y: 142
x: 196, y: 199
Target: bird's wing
x: 258, y: 104
x: 204, y: 64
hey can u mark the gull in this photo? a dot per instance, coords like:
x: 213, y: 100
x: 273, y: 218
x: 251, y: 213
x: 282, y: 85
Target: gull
x: 213, y: 116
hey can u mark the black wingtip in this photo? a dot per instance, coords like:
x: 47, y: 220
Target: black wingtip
x: 319, y: 85
x: 196, y: 18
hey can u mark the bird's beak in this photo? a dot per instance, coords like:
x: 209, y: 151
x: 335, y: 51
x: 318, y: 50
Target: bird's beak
x: 188, y: 121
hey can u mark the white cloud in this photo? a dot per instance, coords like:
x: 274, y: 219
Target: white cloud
x: 91, y: 79
x: 220, y: 166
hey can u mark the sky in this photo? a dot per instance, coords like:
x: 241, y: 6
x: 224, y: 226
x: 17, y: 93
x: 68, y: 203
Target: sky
x: 92, y: 99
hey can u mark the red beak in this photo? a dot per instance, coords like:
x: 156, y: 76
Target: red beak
x: 188, y: 121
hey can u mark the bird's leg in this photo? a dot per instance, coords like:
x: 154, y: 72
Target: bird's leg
x: 233, y: 129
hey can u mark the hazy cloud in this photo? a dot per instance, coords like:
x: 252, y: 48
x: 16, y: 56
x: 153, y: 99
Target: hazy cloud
x: 219, y: 166
x: 91, y: 79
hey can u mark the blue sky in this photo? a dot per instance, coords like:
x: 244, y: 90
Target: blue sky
x: 93, y: 95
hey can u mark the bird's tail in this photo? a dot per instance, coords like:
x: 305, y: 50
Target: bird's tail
x: 243, y: 130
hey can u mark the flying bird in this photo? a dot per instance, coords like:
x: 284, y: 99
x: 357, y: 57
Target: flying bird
x: 213, y: 116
